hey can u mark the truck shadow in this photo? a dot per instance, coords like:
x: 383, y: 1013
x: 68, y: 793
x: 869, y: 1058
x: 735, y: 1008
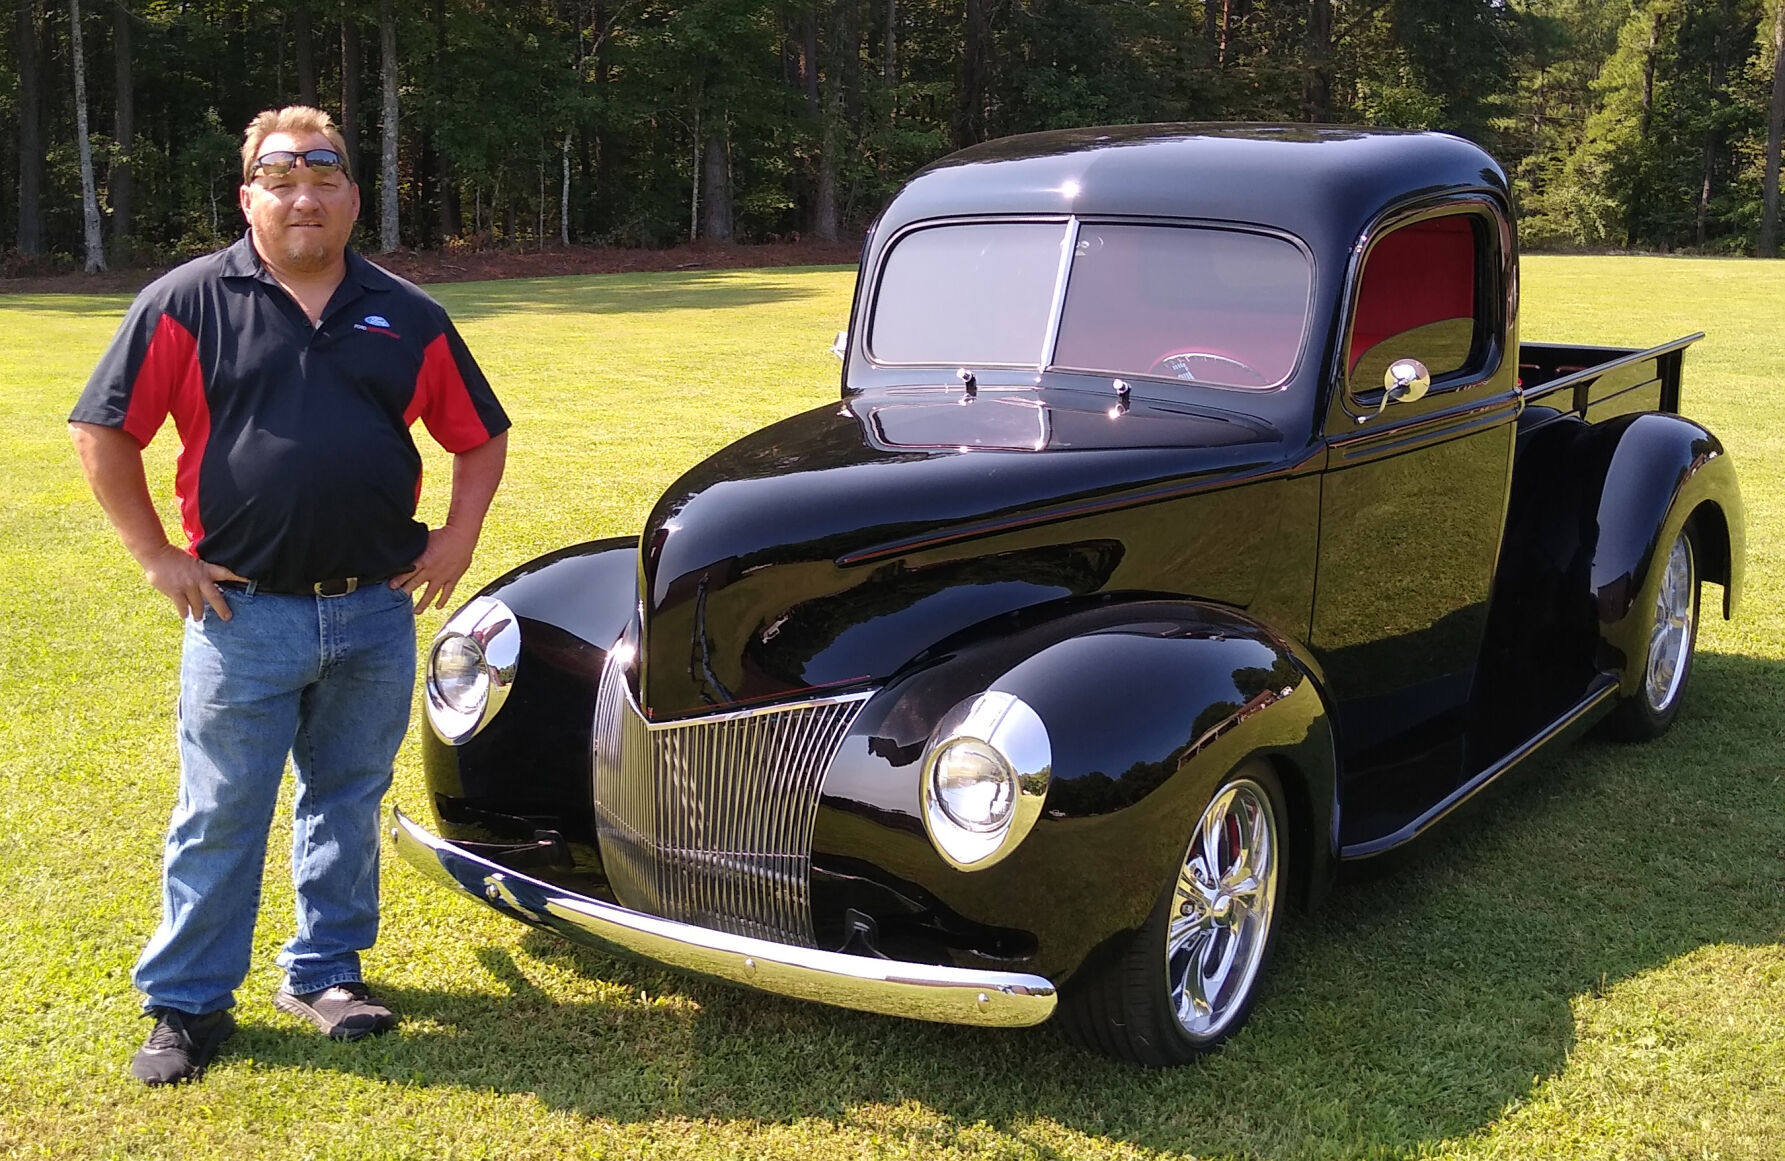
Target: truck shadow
x: 1420, y: 1002
x: 702, y: 290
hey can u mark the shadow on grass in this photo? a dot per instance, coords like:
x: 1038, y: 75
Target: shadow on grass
x: 1426, y: 997
x: 623, y: 293
x: 578, y: 294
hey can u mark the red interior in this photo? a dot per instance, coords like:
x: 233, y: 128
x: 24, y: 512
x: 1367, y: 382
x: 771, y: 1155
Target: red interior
x: 1423, y: 273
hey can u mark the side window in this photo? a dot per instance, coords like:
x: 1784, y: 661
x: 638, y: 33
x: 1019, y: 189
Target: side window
x: 1417, y: 298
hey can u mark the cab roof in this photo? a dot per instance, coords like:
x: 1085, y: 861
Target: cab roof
x: 1323, y: 183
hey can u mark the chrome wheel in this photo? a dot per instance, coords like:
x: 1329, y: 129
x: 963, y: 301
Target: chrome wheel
x: 1670, y: 637
x: 1219, y: 925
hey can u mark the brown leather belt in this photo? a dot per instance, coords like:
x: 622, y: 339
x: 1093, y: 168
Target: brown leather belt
x: 327, y: 588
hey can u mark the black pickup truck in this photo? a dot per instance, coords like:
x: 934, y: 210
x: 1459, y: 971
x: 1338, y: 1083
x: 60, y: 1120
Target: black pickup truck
x: 1192, y: 519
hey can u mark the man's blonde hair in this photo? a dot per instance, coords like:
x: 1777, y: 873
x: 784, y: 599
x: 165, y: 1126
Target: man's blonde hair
x: 294, y: 119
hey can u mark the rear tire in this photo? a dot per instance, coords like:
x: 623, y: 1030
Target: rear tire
x: 1187, y: 980
x: 1667, y: 659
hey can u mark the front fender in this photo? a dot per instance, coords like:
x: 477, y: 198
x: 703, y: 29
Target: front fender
x: 528, y: 770
x: 1147, y: 704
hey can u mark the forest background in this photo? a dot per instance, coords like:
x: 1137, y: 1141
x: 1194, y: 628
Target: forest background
x: 1623, y: 124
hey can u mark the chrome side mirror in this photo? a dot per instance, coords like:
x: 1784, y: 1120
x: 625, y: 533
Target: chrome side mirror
x: 1403, y: 382
x: 840, y: 344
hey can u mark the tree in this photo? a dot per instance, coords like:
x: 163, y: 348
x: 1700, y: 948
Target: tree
x: 84, y: 145
x: 389, y: 237
x: 30, y: 240
x: 1775, y: 123
x: 120, y: 191
x: 304, y: 41
x: 1317, y: 91
x: 969, y: 107
x: 351, y: 53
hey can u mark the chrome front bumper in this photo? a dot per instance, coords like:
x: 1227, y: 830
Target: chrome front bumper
x: 917, y: 990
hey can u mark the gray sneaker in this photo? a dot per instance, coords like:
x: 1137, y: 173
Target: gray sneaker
x: 343, y: 1012
x: 180, y: 1045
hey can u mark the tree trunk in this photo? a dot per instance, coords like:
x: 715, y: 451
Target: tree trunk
x: 969, y: 112
x: 389, y: 237
x: 716, y: 162
x: 594, y: 143
x: 426, y: 194
x: 1775, y: 128
x: 849, y: 31
x: 564, y: 197
x: 694, y: 192
x: 84, y: 145
x: 121, y: 192
x: 1632, y: 221
x: 1708, y: 146
x: 809, y: 65
x: 444, y: 185
x: 889, y: 61
x: 1317, y: 85
x: 25, y: 48
x: 830, y: 133
x: 350, y: 63
x: 303, y: 32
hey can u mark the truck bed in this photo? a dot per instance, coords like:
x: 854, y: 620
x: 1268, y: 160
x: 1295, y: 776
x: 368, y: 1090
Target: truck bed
x: 1599, y: 382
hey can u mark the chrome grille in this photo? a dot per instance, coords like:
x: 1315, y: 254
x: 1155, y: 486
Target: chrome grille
x: 710, y: 821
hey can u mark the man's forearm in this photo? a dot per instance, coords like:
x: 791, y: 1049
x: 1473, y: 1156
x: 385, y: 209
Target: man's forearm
x: 475, y: 476
x: 113, y: 463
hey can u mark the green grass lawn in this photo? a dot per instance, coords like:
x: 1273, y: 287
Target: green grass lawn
x: 1585, y: 963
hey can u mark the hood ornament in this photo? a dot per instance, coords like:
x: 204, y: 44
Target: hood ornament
x: 970, y: 382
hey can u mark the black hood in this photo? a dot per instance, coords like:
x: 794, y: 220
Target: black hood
x: 830, y: 549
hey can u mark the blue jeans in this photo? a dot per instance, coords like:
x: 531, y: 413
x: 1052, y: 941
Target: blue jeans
x: 328, y: 681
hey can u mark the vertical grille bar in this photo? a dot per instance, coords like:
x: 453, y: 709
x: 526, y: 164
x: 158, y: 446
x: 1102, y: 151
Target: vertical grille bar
x: 710, y: 821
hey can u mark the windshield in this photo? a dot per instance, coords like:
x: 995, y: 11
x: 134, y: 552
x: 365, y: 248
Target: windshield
x: 1194, y: 304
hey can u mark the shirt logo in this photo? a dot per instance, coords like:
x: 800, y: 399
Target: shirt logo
x: 376, y: 324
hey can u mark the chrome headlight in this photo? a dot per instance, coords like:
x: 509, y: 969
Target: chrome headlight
x: 985, y: 776
x: 470, y: 668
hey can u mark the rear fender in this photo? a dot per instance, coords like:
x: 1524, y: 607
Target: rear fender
x: 1661, y: 472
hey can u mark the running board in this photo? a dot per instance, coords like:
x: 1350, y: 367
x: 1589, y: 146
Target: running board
x: 1583, y: 715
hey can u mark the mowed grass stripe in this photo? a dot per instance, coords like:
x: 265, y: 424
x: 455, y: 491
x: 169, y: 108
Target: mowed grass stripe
x: 1583, y: 964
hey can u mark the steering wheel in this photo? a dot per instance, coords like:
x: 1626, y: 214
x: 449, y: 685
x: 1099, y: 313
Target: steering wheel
x: 1193, y: 366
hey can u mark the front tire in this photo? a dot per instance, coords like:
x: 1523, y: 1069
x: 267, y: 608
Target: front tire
x: 1667, y: 658
x: 1186, y: 981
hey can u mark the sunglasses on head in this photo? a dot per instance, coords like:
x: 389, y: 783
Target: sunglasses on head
x: 280, y: 162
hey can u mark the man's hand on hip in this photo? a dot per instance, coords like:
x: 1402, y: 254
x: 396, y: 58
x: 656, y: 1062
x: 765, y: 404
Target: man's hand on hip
x: 437, y: 570
x: 190, y: 583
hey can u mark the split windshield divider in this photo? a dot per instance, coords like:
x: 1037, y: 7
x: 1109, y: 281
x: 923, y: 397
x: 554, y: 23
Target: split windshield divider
x: 1068, y: 249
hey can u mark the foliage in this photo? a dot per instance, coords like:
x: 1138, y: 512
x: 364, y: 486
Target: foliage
x: 819, y: 108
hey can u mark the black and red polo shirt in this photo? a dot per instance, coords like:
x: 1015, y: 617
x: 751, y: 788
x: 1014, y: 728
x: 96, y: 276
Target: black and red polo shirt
x: 296, y: 463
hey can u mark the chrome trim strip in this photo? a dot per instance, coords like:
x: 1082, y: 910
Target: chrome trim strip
x: 1579, y: 717
x: 916, y: 991
x: 1068, y: 250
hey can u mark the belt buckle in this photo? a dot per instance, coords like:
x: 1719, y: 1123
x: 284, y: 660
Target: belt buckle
x: 336, y: 588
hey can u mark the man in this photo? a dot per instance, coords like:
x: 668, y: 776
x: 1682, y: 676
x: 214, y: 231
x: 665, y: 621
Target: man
x: 292, y: 368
